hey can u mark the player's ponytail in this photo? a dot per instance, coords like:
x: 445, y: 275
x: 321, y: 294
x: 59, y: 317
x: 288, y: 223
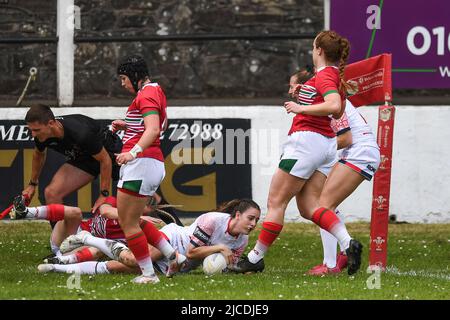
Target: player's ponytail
x: 337, y: 50
x: 345, y: 45
x: 241, y: 205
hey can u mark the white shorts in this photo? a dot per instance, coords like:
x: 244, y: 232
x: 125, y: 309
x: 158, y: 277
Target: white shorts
x: 179, y: 238
x: 305, y: 152
x: 363, y: 159
x: 142, y: 176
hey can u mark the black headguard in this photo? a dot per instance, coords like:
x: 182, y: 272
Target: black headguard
x: 135, y: 68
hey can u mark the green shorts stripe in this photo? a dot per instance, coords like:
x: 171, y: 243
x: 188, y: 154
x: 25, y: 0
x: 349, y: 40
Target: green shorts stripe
x: 133, y: 185
x: 287, y: 164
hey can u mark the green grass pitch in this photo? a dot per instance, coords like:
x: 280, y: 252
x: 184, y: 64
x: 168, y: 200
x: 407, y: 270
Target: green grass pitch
x: 418, y: 260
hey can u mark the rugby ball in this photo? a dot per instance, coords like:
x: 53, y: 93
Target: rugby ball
x: 214, y: 263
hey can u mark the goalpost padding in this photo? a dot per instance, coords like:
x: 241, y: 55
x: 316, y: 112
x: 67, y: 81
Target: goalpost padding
x: 381, y: 189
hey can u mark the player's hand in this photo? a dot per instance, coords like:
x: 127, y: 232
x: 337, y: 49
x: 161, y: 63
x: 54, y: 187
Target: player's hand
x: 118, y: 125
x: 123, y: 158
x: 228, y: 254
x: 29, y: 192
x: 100, y: 200
x: 293, y: 107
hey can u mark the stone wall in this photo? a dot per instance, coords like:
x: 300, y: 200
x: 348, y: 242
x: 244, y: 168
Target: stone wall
x: 22, y: 18
x: 187, y: 69
x: 221, y: 69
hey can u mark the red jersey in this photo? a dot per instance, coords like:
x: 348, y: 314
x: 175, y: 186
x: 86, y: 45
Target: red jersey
x: 102, y: 227
x: 325, y: 81
x: 149, y: 100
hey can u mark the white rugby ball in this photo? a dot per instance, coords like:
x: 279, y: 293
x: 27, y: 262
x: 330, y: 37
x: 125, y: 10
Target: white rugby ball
x: 214, y: 263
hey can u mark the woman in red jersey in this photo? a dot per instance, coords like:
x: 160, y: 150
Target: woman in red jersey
x: 141, y: 160
x: 309, y: 154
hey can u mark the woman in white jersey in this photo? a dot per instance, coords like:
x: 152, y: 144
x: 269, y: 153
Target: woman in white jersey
x: 225, y: 230
x: 358, y: 161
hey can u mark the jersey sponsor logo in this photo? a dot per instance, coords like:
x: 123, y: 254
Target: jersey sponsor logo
x: 201, y: 235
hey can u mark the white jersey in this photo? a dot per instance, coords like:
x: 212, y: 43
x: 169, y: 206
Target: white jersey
x: 212, y: 228
x: 363, y: 155
x: 352, y: 120
x: 207, y: 230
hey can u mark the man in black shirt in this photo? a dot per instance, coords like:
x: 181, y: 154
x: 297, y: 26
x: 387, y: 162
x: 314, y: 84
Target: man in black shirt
x: 89, y: 151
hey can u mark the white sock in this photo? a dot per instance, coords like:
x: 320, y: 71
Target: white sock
x: 55, y: 249
x: 104, y: 245
x: 88, y: 267
x: 37, y: 212
x: 69, y: 259
x: 342, y: 218
x: 146, y: 266
x: 166, y: 249
x: 257, y: 253
x: 341, y: 233
x: 329, y: 243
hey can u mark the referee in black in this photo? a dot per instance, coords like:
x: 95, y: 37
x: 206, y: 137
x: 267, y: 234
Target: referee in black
x: 89, y: 150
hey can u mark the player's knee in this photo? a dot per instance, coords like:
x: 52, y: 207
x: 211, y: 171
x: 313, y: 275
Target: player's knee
x: 275, y: 203
x: 327, y: 202
x: 51, y: 195
x: 74, y: 213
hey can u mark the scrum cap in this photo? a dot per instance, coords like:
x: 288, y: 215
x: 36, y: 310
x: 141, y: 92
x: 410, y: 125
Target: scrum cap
x: 135, y: 68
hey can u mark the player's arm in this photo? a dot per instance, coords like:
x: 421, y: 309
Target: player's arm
x: 105, y: 174
x: 36, y: 168
x: 105, y: 168
x: 108, y: 211
x: 331, y: 105
x: 196, y: 252
x: 151, y: 133
x: 343, y: 132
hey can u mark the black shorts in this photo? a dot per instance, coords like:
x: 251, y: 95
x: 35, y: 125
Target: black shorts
x: 92, y: 166
x: 112, y: 144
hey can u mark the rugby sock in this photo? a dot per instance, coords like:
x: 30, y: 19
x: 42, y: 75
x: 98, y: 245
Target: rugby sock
x: 139, y: 246
x: 104, y: 245
x: 55, y: 248
x: 89, y: 267
x: 329, y: 243
x: 341, y: 217
x: 268, y: 234
x: 328, y: 220
x: 156, y: 239
x: 84, y: 255
x: 79, y: 256
x: 51, y: 212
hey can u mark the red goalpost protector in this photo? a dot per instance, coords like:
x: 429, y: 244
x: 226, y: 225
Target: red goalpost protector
x: 381, y: 189
x: 372, y: 79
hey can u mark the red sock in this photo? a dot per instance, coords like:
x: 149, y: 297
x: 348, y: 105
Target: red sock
x: 324, y: 218
x: 55, y: 212
x: 269, y: 232
x: 152, y: 234
x: 138, y: 245
x: 84, y: 255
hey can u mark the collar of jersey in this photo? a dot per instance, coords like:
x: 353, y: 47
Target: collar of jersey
x: 153, y: 84
x: 321, y: 68
x: 228, y: 228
